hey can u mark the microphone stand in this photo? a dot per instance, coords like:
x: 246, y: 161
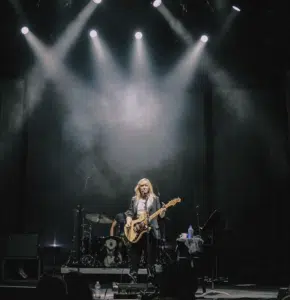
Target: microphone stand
x: 197, y: 219
x: 147, y: 242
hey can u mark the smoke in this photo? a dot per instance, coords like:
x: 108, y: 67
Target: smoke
x: 135, y: 129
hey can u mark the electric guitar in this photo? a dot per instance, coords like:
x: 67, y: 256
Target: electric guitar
x: 141, y: 225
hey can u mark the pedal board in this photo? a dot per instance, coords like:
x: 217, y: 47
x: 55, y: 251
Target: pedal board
x: 133, y: 290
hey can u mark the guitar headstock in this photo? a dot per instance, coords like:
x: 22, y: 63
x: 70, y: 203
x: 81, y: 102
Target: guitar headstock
x: 173, y: 202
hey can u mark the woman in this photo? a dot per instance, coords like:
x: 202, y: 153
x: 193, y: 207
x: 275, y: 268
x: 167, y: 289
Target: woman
x: 144, y: 201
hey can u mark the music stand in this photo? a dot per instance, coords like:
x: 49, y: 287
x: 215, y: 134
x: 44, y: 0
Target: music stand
x: 210, y: 224
x: 212, y: 221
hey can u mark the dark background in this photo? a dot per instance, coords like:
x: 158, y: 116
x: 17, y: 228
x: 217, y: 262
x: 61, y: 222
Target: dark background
x: 232, y: 155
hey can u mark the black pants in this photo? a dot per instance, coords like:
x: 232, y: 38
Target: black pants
x: 148, y: 244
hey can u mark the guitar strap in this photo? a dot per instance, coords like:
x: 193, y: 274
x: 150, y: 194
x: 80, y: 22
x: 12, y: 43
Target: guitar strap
x: 146, y: 207
x: 147, y: 216
x: 147, y: 212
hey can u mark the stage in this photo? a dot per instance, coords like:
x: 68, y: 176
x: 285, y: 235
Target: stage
x: 234, y: 292
x: 11, y: 292
x: 107, y: 271
x: 221, y: 293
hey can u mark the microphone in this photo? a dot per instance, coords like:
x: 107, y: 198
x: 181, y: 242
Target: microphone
x: 209, y: 5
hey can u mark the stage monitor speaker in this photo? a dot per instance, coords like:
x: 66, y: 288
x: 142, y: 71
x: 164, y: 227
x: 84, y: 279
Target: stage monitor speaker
x: 178, y: 280
x: 22, y: 245
x: 284, y: 294
x: 9, y: 292
x: 21, y: 269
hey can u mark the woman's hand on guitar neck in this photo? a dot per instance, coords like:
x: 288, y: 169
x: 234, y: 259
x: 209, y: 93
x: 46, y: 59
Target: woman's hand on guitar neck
x: 163, y: 210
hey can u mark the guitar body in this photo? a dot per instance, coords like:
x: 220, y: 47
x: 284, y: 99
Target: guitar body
x: 137, y: 229
x: 140, y: 226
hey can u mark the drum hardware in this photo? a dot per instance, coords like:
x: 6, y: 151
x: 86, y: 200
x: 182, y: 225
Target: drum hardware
x: 75, y: 252
x: 86, y: 239
x: 102, y: 251
x: 163, y: 257
x: 88, y: 260
x: 91, y: 257
x: 98, y: 218
x: 90, y: 251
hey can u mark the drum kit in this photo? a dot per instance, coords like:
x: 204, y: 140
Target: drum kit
x: 109, y: 252
x: 100, y: 251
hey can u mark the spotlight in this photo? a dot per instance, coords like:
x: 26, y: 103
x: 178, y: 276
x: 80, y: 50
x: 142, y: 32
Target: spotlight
x: 157, y: 3
x: 236, y: 8
x: 24, y: 30
x: 138, y: 35
x: 204, y: 38
x: 97, y: 1
x: 93, y: 33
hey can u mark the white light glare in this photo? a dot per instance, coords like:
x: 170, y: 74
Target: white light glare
x: 204, y: 38
x: 236, y: 8
x: 157, y: 3
x: 97, y: 1
x: 24, y: 30
x: 93, y: 33
x: 138, y: 35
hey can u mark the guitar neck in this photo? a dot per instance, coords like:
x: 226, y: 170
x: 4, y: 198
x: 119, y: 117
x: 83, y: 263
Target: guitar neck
x: 157, y: 213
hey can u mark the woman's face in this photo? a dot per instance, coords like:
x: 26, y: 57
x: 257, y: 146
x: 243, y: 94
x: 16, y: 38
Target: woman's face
x: 144, y: 188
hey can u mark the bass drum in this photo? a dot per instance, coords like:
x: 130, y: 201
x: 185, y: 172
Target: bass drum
x: 112, y: 252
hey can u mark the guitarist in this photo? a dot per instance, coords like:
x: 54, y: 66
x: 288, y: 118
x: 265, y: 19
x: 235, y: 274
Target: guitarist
x: 144, y: 201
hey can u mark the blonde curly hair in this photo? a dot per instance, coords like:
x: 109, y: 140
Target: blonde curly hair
x: 137, y: 188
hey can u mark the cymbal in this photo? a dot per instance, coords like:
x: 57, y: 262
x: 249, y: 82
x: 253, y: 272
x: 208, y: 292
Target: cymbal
x: 98, y: 218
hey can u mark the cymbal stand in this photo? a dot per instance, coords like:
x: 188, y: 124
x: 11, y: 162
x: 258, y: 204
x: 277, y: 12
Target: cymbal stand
x: 163, y: 257
x: 74, y: 257
x: 75, y: 253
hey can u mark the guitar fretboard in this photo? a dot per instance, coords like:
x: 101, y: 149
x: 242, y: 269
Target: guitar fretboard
x: 154, y: 215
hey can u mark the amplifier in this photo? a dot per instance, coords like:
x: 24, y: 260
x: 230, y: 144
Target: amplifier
x: 22, y: 245
x: 21, y: 262
x: 21, y: 269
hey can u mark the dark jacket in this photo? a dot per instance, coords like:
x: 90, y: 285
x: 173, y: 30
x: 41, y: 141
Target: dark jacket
x: 132, y: 212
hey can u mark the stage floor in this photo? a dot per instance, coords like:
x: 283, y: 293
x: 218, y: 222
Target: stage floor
x: 238, y: 293
x: 219, y: 292
x: 106, y: 271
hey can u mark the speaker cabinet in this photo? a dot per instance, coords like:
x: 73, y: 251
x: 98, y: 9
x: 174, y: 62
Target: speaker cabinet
x: 22, y: 245
x: 21, y: 262
x: 21, y: 269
